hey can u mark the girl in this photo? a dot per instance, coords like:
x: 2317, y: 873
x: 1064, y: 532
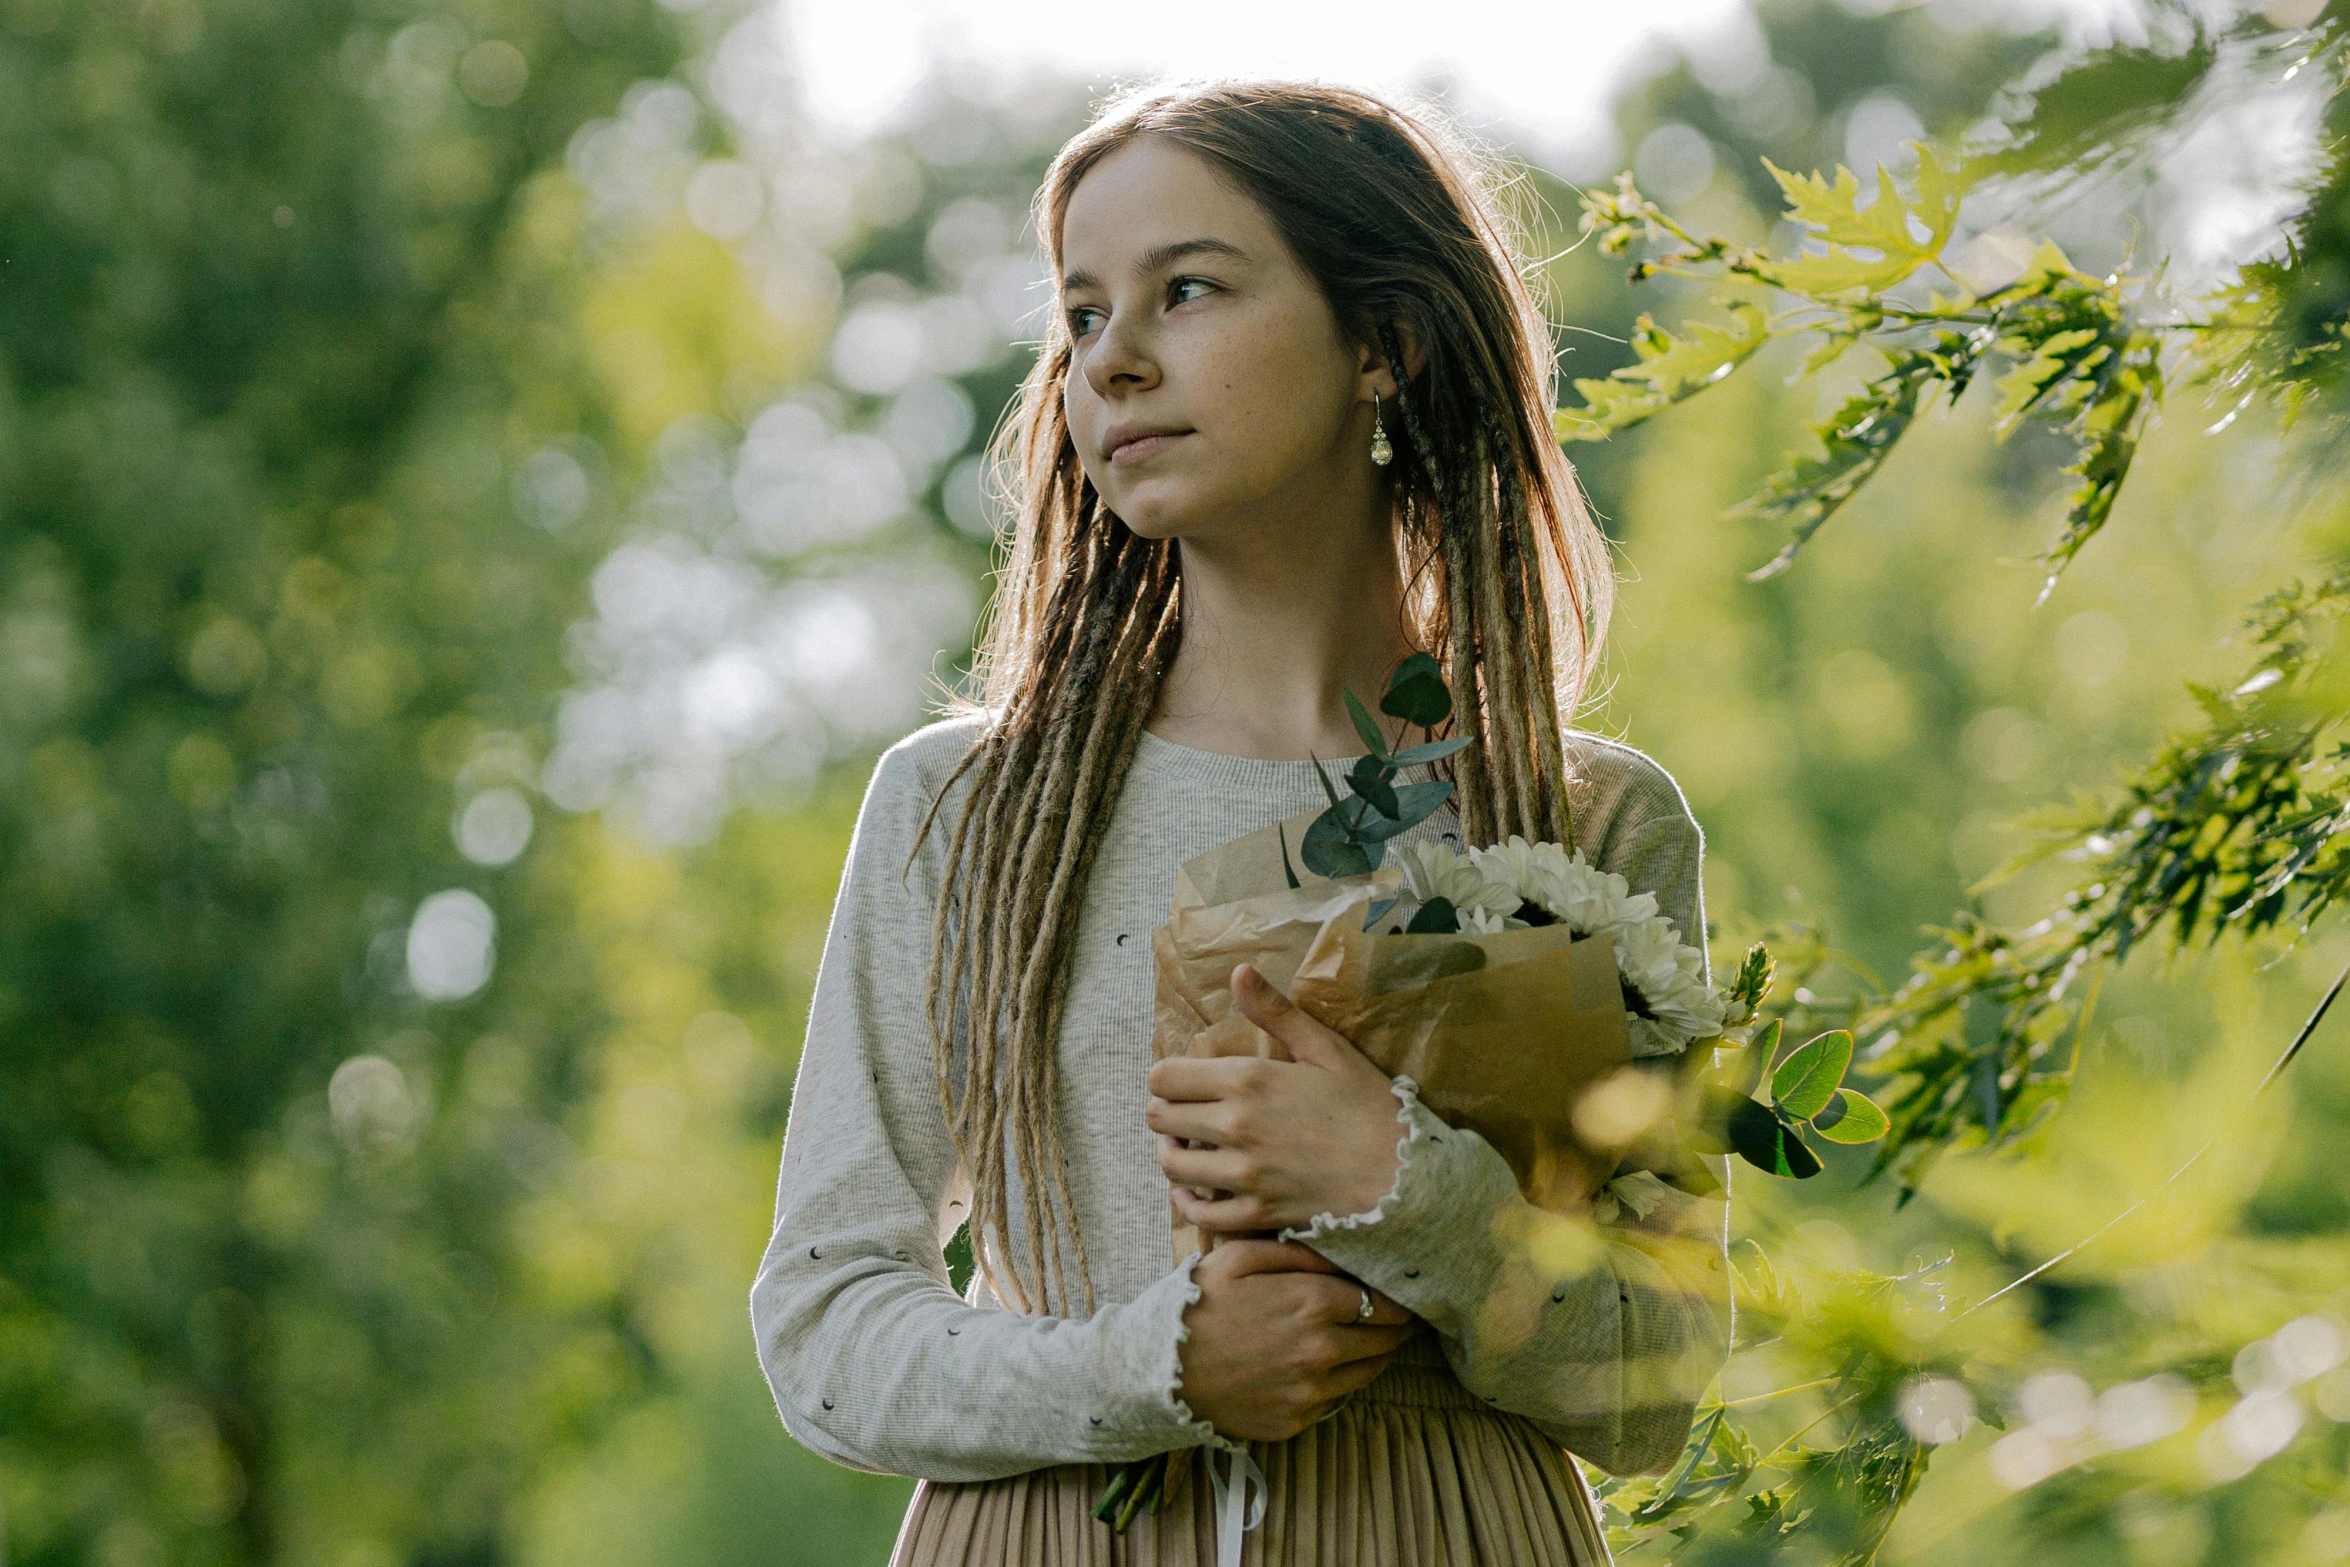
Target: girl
x: 1291, y: 423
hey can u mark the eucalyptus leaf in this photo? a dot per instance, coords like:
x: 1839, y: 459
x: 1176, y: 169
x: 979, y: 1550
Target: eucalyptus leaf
x: 1758, y: 1053
x: 1436, y: 917
x: 1365, y: 724
x: 1415, y: 804
x: 1797, y: 1162
x: 1851, y: 1117
x: 1329, y: 851
x: 1417, y: 694
x: 1717, y: 1109
x: 1807, y: 1079
x: 1433, y: 751
x: 1756, y: 1135
x: 1369, y: 780
x: 1329, y: 789
x: 1765, y: 1140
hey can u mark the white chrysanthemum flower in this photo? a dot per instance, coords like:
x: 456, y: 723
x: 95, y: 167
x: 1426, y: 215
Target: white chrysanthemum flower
x: 1495, y: 890
x: 1502, y: 869
x: 1488, y: 886
x: 1432, y: 870
x: 1586, y: 899
x: 1694, y: 1009
x: 1668, y: 974
x: 1649, y: 953
x: 1505, y: 864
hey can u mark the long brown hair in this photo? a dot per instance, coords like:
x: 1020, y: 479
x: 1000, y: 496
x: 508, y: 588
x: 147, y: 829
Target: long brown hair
x: 1403, y: 229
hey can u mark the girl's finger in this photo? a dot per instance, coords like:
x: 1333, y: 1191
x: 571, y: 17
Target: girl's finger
x: 1356, y: 1371
x: 1263, y: 1256
x: 1385, y: 1313
x: 1309, y: 1040
x: 1225, y: 1214
x: 1345, y: 1298
x: 1203, y: 1168
x: 1200, y: 1120
x: 1201, y: 1077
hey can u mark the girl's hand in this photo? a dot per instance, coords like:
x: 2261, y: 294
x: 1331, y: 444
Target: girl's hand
x: 1273, y: 1342
x: 1281, y: 1141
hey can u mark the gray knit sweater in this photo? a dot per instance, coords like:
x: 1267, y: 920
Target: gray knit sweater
x: 876, y: 1363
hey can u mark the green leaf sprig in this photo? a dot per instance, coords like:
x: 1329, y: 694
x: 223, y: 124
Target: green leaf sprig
x: 1350, y: 838
x: 1806, y: 1089
x: 2083, y: 358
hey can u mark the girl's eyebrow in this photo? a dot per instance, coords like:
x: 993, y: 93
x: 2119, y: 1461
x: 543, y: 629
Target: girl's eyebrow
x: 1161, y: 256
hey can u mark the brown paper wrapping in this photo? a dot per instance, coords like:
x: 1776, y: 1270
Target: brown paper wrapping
x: 1503, y: 1033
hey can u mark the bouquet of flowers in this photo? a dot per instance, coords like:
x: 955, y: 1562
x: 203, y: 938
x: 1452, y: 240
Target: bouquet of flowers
x: 1508, y: 982
x: 1516, y: 984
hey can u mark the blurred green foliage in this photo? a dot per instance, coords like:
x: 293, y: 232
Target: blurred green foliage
x: 287, y: 288
x: 2209, y: 1429
x: 332, y: 374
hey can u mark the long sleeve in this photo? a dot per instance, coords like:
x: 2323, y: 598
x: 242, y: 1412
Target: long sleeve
x: 1603, y: 1334
x: 874, y: 1361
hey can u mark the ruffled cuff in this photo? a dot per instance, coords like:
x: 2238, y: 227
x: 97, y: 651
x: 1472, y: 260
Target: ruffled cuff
x: 1429, y: 1243
x: 1154, y: 1325
x: 1407, y: 1102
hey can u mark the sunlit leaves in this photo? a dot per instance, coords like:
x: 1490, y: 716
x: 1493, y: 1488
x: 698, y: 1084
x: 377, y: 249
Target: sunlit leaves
x: 2112, y: 416
x: 2237, y: 824
x: 1803, y: 1090
x: 1856, y: 439
x: 1807, y: 1079
x: 1668, y: 369
x: 1850, y: 1116
x: 1870, y: 248
x: 1817, y: 1466
x: 2078, y: 358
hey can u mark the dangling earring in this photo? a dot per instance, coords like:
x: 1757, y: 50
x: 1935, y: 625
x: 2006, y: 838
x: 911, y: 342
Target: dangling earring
x: 1381, y: 452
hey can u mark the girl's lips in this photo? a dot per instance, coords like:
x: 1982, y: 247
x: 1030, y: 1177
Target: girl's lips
x: 1136, y: 451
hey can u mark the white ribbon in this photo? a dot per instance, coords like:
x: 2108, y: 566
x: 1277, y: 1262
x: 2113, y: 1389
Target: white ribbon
x: 1236, y: 1511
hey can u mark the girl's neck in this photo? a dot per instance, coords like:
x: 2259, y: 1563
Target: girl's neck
x: 1271, y: 635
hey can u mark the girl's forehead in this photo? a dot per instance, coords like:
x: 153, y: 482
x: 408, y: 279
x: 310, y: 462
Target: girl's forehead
x: 1150, y: 193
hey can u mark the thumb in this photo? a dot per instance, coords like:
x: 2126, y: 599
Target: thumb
x: 1309, y: 1040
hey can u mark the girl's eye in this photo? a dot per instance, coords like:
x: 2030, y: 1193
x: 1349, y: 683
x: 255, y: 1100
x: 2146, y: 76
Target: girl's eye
x: 1175, y: 290
x: 1082, y: 322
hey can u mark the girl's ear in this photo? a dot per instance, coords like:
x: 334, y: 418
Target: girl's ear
x: 1378, y: 375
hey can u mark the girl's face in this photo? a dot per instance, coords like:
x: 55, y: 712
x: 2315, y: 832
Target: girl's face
x: 1211, y: 392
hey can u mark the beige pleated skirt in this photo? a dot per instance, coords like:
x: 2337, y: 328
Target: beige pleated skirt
x: 1411, y: 1470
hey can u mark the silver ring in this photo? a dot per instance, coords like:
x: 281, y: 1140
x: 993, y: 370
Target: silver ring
x: 1363, y: 1312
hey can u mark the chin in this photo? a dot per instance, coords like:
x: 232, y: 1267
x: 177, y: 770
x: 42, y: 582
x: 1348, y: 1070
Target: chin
x: 1154, y: 518
x: 1151, y: 525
